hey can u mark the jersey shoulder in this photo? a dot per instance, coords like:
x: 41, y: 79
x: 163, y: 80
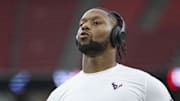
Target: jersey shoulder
x: 156, y: 90
x: 59, y: 91
x: 133, y: 72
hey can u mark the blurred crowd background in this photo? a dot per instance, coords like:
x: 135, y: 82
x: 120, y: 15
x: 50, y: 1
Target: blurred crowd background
x: 38, y: 52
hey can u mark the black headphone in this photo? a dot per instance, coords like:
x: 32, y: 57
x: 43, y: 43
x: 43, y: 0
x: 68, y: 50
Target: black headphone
x: 117, y: 36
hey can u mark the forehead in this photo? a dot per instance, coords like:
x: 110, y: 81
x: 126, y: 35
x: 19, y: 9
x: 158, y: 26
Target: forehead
x: 98, y: 13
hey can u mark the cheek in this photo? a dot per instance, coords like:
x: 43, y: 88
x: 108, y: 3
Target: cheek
x: 102, y: 34
x: 77, y: 33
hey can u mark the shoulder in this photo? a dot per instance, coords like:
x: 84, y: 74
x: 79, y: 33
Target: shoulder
x: 133, y: 72
x: 156, y: 90
x: 59, y: 91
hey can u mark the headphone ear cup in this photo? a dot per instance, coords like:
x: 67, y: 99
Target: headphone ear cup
x: 115, y: 37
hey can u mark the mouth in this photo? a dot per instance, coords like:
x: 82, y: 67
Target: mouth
x: 84, y: 35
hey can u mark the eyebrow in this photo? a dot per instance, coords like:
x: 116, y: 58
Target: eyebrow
x: 93, y: 18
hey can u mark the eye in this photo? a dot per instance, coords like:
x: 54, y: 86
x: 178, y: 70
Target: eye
x: 96, y: 23
x: 80, y: 24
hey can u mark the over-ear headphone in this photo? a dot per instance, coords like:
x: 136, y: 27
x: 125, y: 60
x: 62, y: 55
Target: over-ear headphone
x: 117, y: 36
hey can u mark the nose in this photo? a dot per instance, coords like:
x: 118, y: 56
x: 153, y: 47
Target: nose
x: 85, y: 26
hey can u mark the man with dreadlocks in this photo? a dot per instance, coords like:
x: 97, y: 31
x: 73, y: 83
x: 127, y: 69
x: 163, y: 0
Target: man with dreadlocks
x: 101, y: 34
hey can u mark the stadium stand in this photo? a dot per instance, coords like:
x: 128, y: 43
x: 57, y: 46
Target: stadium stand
x: 129, y: 9
x: 44, y: 30
x: 6, y: 29
x: 154, y: 48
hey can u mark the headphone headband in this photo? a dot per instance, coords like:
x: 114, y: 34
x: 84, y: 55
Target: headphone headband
x: 119, y: 31
x: 120, y: 21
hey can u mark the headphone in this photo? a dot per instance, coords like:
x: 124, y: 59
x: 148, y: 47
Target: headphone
x: 118, y: 33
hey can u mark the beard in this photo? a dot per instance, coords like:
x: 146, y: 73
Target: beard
x: 93, y: 48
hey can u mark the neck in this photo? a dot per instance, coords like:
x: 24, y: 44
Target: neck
x: 98, y: 63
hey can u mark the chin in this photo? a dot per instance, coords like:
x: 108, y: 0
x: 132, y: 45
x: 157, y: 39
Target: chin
x: 84, y: 42
x: 92, y: 48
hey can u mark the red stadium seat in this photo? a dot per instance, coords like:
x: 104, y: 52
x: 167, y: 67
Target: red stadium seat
x: 7, y: 9
x: 148, y: 48
x: 170, y: 16
x: 151, y: 49
x: 130, y: 9
x: 46, y: 25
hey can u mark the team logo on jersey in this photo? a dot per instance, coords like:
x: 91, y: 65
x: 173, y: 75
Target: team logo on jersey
x: 116, y: 85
